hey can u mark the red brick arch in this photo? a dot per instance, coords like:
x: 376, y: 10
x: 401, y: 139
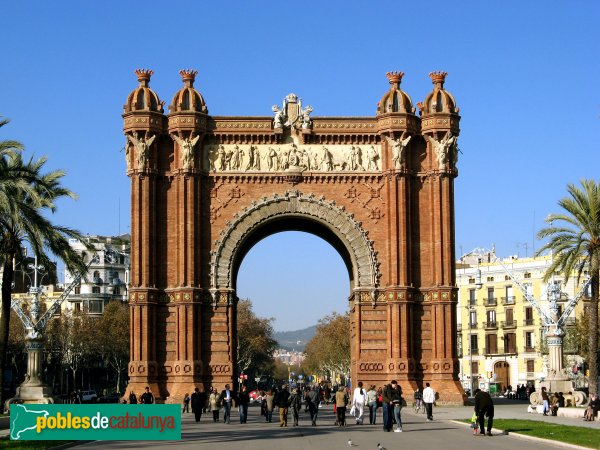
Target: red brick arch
x: 380, y: 189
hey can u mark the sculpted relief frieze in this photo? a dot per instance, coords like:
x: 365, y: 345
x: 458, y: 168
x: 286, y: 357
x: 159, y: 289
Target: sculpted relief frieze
x: 292, y: 157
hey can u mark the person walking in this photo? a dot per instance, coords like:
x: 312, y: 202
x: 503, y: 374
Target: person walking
x: 147, y: 397
x: 295, y: 402
x: 313, y: 400
x: 186, y: 403
x: 243, y: 400
x: 198, y: 401
x: 372, y: 404
x: 227, y: 399
x: 359, y: 399
x: 397, y: 405
x: 269, y: 405
x: 484, y: 406
x: 341, y: 401
x: 429, y: 400
x: 215, y: 403
x: 282, y: 402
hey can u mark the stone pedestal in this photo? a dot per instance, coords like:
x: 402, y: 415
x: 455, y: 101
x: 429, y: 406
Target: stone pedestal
x: 33, y: 389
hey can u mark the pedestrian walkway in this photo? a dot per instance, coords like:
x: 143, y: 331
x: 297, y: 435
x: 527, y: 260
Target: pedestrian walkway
x: 258, y: 435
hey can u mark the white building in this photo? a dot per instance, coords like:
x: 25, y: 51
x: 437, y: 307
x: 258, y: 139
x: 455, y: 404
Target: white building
x: 108, y: 275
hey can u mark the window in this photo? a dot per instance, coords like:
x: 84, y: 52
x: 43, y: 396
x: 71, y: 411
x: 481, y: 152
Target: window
x: 471, y: 280
x: 490, y: 279
x: 527, y: 275
x: 472, y: 297
x: 96, y: 274
x: 509, y: 294
x: 506, y: 277
x: 95, y: 306
x: 530, y: 340
x: 95, y: 289
x: 491, y: 316
x: 474, y: 348
x: 530, y: 365
x: 528, y: 315
x: 509, y: 315
x: 77, y: 290
x: 473, y: 318
x: 491, y: 343
x: 510, y: 343
x: 117, y: 291
x: 490, y: 293
x: 78, y: 307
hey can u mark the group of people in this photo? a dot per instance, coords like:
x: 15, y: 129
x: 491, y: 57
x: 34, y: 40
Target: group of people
x: 147, y: 398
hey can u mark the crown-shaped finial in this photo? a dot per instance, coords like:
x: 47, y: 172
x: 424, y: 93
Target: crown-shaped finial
x: 438, y: 77
x: 394, y: 77
x: 143, y: 76
x: 188, y: 76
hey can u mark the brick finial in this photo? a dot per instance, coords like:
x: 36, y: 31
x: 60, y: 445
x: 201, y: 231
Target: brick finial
x: 143, y: 76
x: 438, y: 78
x: 188, y: 76
x: 395, y: 77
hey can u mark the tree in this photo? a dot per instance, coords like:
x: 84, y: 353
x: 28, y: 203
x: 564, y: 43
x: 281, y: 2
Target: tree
x: 575, y: 243
x: 328, y: 352
x: 113, y: 338
x: 26, y: 196
x: 255, y: 340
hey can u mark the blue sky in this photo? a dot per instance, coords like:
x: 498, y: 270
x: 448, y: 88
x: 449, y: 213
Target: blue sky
x: 524, y: 75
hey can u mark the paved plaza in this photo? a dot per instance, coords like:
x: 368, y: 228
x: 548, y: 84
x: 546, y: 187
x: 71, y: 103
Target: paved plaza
x: 418, y: 433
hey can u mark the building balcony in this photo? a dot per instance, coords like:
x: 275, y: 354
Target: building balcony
x: 510, y: 300
x: 529, y: 349
x: 490, y: 325
x: 530, y: 375
x: 492, y: 351
x: 472, y: 302
x: 509, y: 324
x: 490, y: 301
x: 474, y: 351
x: 528, y: 322
x: 510, y: 351
x: 472, y: 326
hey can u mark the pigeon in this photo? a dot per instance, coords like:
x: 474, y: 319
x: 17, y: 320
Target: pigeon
x: 350, y: 443
x: 379, y: 447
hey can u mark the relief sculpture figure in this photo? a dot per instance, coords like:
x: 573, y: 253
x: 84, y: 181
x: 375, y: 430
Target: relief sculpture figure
x: 272, y: 160
x: 443, y: 148
x: 253, y: 158
x: 237, y: 154
x: 372, y: 158
x: 142, y: 146
x: 220, y: 161
x: 398, y: 146
x: 187, y: 149
x: 326, y: 160
x: 306, y: 122
x: 354, y: 158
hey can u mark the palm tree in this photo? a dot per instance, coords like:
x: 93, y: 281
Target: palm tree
x: 575, y: 243
x: 26, y: 195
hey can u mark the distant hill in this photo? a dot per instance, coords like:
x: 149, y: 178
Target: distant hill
x: 295, y: 340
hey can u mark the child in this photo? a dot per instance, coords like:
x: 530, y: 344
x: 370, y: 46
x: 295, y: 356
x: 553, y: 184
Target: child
x: 474, y: 423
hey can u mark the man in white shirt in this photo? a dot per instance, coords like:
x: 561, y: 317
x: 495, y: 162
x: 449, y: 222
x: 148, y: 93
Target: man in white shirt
x: 428, y: 400
x: 359, y: 398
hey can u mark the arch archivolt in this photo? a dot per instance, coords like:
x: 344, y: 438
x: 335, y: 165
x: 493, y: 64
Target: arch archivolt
x: 295, y: 204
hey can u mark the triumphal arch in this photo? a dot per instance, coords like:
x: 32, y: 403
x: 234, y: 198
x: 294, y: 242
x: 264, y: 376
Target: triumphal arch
x: 205, y: 189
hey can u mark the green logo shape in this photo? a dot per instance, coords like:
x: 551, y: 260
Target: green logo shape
x: 95, y: 422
